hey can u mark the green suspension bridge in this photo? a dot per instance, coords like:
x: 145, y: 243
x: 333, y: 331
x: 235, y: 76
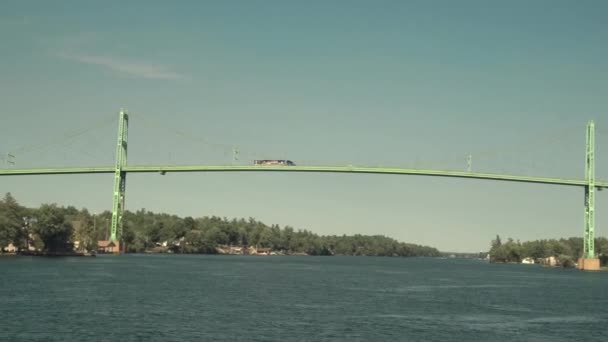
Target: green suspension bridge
x: 121, y: 169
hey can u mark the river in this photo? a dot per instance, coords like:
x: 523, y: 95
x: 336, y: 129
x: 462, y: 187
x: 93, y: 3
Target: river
x: 280, y: 298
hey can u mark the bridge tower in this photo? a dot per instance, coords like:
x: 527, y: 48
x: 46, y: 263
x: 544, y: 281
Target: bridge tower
x: 589, y: 261
x: 120, y: 180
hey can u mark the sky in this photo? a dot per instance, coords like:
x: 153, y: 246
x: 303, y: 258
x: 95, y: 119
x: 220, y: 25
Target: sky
x: 419, y: 84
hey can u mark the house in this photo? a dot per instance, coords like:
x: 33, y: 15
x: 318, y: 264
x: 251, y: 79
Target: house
x: 108, y: 246
x: 551, y: 261
x: 10, y: 248
x: 235, y: 250
x: 263, y: 251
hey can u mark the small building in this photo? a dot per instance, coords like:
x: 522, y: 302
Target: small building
x: 551, y: 261
x: 235, y: 250
x: 108, y: 246
x: 527, y: 261
x: 264, y: 251
x: 10, y: 248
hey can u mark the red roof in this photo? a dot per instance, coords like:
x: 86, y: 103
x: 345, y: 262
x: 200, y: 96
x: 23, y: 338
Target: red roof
x: 105, y: 243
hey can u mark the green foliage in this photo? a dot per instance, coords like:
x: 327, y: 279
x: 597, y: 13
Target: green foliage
x: 197, y: 243
x: 12, y: 224
x: 510, y: 251
x: 7, y: 233
x: 566, y: 260
x: 53, y: 227
x: 566, y: 250
x: 143, y: 230
x: 84, y: 230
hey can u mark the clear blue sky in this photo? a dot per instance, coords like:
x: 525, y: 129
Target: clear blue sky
x: 401, y: 83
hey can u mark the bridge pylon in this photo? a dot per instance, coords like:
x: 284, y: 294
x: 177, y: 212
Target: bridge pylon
x: 120, y: 182
x: 589, y: 260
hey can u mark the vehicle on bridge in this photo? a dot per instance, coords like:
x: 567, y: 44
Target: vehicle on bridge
x: 271, y: 162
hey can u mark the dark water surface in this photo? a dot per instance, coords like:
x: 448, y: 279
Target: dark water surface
x: 235, y: 298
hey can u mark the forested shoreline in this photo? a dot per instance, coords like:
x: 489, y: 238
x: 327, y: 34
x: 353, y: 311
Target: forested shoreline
x: 52, y: 228
x: 565, y: 251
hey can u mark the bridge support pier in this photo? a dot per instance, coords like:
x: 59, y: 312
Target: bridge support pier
x: 585, y: 264
x: 589, y: 260
x: 120, y: 182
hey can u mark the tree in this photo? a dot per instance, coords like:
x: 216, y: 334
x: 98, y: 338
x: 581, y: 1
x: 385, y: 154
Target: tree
x: 53, y: 228
x: 216, y: 236
x: 510, y: 251
x: 84, y: 230
x: 7, y: 232
x: 197, y: 243
x: 497, y: 241
x: 11, y: 222
x: 189, y: 223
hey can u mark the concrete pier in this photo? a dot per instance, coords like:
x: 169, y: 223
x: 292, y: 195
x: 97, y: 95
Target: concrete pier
x: 588, y: 264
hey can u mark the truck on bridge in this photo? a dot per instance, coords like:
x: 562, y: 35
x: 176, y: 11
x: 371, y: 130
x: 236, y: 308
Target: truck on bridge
x: 271, y: 162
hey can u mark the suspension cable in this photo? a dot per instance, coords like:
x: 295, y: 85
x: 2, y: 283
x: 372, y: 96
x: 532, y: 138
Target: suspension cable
x: 70, y: 135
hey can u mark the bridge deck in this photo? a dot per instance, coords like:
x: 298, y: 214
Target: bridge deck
x: 330, y: 169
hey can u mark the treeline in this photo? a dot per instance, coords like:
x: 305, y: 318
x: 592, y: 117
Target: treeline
x: 46, y: 228
x: 565, y: 250
x: 55, y: 228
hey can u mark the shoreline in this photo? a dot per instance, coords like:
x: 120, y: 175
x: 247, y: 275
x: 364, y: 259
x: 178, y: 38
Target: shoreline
x: 49, y: 254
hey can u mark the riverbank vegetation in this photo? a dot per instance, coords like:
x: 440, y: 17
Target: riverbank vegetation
x: 54, y: 228
x: 565, y: 251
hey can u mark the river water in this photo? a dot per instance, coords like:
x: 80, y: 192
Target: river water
x: 240, y: 298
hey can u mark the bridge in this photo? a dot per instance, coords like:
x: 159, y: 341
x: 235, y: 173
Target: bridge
x: 588, y: 261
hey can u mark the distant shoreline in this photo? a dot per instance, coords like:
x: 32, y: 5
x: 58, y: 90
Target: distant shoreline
x: 78, y: 254
x: 49, y: 254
